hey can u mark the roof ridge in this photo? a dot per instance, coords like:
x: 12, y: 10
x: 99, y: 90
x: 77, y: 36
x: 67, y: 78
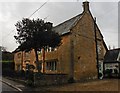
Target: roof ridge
x: 69, y: 19
x: 65, y: 26
x: 115, y: 49
x: 112, y: 55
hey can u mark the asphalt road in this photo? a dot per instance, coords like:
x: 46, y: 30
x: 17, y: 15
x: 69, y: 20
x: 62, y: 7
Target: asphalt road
x: 6, y: 87
x: 94, y: 85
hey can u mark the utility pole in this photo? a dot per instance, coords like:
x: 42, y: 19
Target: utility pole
x: 96, y: 47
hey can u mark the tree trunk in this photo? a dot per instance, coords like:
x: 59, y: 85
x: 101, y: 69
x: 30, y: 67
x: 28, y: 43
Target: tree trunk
x: 43, y: 51
x: 22, y: 61
x: 37, y: 61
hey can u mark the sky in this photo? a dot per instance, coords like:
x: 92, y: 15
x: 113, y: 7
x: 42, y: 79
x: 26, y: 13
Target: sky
x: 11, y: 11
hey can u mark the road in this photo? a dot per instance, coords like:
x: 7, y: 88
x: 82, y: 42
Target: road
x: 93, y: 85
x: 15, y: 85
x: 5, y: 87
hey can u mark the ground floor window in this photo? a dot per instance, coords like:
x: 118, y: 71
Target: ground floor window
x: 51, y: 65
x: 18, y: 67
x: 38, y: 65
x: 27, y: 66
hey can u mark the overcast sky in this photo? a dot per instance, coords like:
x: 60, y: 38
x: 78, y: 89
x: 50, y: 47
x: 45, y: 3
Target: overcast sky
x: 57, y: 12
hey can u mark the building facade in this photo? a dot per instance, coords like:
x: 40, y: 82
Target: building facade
x: 111, y: 63
x: 77, y: 54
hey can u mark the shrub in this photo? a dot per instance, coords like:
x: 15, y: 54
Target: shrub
x: 71, y: 80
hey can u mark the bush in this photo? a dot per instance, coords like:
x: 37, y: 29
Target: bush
x: 8, y: 72
x: 71, y: 80
x: 108, y: 72
x: 30, y: 83
x: 30, y: 78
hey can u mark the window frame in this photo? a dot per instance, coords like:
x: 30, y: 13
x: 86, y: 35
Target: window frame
x: 51, y: 65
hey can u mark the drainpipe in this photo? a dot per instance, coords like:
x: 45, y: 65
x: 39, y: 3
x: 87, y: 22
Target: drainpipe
x: 96, y: 47
x: 71, y: 61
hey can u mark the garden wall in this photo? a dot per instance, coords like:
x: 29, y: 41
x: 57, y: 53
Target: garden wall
x: 50, y: 79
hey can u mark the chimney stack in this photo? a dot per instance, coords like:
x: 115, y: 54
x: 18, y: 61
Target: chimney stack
x: 86, y: 6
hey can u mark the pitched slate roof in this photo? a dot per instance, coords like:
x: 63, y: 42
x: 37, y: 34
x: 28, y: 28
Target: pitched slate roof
x: 112, y: 55
x: 16, y: 50
x: 64, y: 27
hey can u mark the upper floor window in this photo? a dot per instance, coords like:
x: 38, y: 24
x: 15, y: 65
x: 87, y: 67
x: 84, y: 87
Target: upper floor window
x: 53, y: 49
x: 39, y: 52
x: 50, y: 49
x: 27, y: 54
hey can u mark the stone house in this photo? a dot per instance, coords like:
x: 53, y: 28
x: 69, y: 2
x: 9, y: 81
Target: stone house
x: 77, y: 54
x: 111, y: 63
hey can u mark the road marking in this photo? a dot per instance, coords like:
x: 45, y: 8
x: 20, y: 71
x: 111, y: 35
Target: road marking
x: 11, y: 85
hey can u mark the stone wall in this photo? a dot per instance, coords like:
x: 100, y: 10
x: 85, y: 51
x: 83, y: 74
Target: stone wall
x: 84, y: 48
x: 50, y: 79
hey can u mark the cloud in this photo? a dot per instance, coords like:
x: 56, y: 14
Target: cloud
x: 11, y: 12
x: 58, y: 0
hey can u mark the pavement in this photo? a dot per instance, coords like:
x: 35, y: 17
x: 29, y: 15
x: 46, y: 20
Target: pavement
x: 7, y: 88
x: 19, y: 86
x: 13, y: 84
